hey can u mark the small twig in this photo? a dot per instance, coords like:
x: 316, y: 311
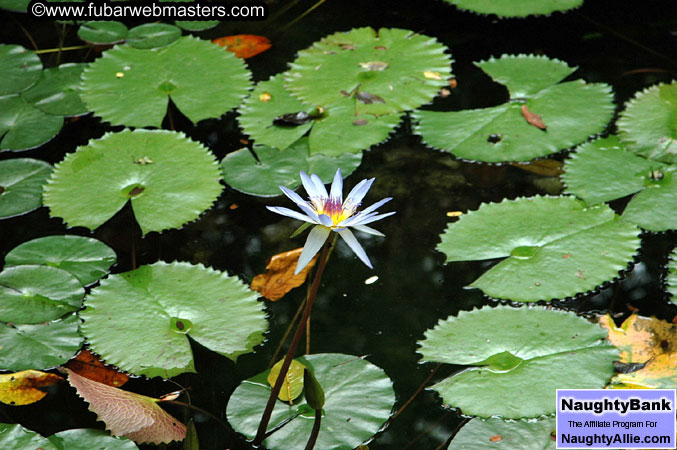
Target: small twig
x: 418, y: 391
x: 61, y: 49
x: 25, y: 31
x: 304, y: 14
x: 299, y: 310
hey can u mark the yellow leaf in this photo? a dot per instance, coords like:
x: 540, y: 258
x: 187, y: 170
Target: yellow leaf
x: 21, y: 388
x: 293, y: 381
x: 648, y: 341
x: 279, y: 278
x: 429, y: 74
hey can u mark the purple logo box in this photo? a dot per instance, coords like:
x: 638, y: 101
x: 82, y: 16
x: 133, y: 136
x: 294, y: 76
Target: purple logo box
x: 616, y: 418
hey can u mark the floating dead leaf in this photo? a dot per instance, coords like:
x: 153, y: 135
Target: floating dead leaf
x: 648, y: 341
x: 444, y: 92
x: 453, y: 83
x: 546, y: 167
x: 566, y: 256
x: 454, y: 213
x: 374, y: 66
x: 360, y: 122
x: 532, y: 118
x: 496, y: 438
x: 90, y: 366
x: 265, y: 97
x: 22, y: 388
x: 244, y: 45
x: 347, y: 47
x: 366, y: 97
x: 429, y: 74
x: 292, y: 386
x: 135, y: 416
x: 279, y: 277
x: 296, y: 118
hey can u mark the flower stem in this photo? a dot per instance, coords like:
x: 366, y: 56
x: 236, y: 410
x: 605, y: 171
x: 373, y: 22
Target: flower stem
x: 267, y: 412
x: 315, y: 431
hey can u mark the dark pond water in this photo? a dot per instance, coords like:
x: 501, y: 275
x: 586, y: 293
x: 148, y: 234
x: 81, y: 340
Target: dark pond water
x: 414, y: 288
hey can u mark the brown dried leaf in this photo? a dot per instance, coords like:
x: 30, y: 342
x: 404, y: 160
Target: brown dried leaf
x: 90, y: 366
x: 21, y: 388
x: 532, y: 118
x: 280, y: 278
x: 128, y: 414
x: 546, y: 167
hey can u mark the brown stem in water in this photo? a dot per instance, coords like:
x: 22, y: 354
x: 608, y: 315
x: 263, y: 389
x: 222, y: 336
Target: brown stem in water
x: 312, y: 439
x: 267, y: 412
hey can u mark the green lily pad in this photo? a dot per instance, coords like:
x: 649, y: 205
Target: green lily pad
x: 132, y: 87
x: 153, y: 35
x: 671, y: 280
x: 88, y: 439
x: 19, y: 69
x: 14, y: 5
x: 481, y: 434
x: 401, y: 67
x: 85, y: 258
x: 654, y: 208
x: 23, y: 126
x: 516, y: 8
x: 556, y: 350
x: 21, y: 183
x: 41, y: 346
x: 572, y: 111
x: 358, y: 400
x: 555, y: 247
x: 337, y: 131
x: 140, y: 320
x: 15, y: 437
x: 605, y: 170
x: 58, y: 91
x: 34, y: 294
x: 648, y: 124
x: 103, y: 32
x: 169, y: 179
x: 272, y: 168
x: 197, y: 25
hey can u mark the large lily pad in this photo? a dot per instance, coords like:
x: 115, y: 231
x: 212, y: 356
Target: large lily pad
x: 58, y: 91
x: 41, y: 346
x: 605, y: 170
x: 129, y: 86
x: 571, y: 111
x: 140, y: 320
x: 153, y: 35
x: 523, y: 355
x: 19, y: 69
x: 23, y: 126
x: 15, y: 437
x: 273, y: 168
x: 85, y: 258
x: 516, y: 8
x: 555, y: 247
x: 21, y: 183
x: 481, y: 434
x: 339, y: 129
x: 402, y: 68
x: 648, y: 124
x: 34, y: 294
x: 358, y: 400
x: 169, y: 179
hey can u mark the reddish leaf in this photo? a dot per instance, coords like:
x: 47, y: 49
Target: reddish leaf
x: 21, y: 388
x: 128, y: 414
x: 244, y: 45
x: 90, y: 366
x: 532, y: 118
x: 280, y: 278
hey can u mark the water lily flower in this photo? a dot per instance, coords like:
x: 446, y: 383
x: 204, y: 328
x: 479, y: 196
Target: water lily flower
x: 329, y: 212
